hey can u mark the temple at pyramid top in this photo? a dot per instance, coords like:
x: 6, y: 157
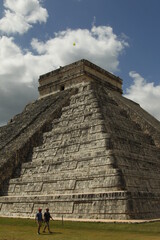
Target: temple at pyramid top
x: 69, y: 75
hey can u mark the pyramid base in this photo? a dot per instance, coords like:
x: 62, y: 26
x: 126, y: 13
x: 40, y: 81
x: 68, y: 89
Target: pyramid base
x: 118, y: 205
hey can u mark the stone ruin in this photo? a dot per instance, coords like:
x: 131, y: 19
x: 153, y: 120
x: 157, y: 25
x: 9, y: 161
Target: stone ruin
x: 81, y: 149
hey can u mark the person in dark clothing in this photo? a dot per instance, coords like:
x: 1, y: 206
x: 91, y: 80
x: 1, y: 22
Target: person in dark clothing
x: 39, y: 219
x: 47, y: 217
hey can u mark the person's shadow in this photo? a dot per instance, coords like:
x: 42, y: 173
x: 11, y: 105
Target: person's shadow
x: 52, y: 233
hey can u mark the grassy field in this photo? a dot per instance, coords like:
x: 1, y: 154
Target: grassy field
x: 26, y: 229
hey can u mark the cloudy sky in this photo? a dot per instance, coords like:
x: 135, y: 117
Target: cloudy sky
x: 37, y: 36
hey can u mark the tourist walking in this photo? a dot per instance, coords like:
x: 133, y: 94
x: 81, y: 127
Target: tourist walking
x: 39, y: 219
x: 47, y: 217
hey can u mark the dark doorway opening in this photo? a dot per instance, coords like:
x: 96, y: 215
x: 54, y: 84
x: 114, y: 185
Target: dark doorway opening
x: 62, y: 88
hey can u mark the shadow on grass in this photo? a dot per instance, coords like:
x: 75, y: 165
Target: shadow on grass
x: 51, y: 234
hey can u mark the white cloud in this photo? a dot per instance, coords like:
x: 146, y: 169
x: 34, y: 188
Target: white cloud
x: 20, y: 69
x: 99, y: 45
x: 20, y: 15
x: 144, y: 93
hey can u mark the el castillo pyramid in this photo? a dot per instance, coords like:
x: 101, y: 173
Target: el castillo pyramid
x: 81, y: 149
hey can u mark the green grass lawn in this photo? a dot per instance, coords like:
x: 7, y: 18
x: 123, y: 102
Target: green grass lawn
x: 26, y: 229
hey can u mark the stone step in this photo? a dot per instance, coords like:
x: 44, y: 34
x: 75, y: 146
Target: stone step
x: 74, y: 137
x: 104, y: 165
x: 104, y: 204
x: 93, y: 124
x: 51, y: 175
x: 77, y: 118
x: 87, y: 154
x: 76, y: 149
x: 51, y: 185
x: 61, y: 164
x: 126, y: 158
x: 71, y: 143
x: 92, y: 140
x: 133, y: 145
x: 65, y: 204
x: 121, y: 194
x: 89, y: 104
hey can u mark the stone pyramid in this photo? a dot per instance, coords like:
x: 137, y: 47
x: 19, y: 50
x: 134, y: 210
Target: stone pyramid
x: 81, y: 149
